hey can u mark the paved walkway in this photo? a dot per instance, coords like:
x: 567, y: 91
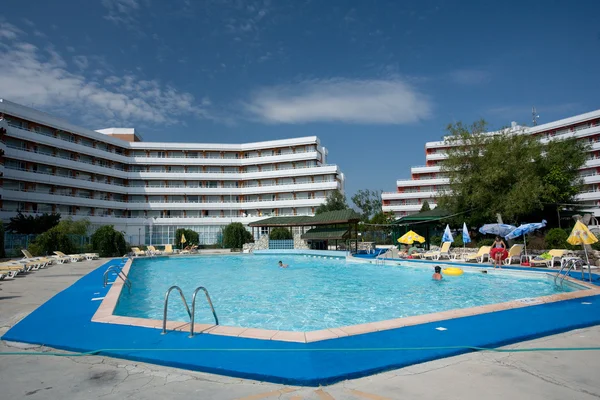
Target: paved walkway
x: 547, y: 375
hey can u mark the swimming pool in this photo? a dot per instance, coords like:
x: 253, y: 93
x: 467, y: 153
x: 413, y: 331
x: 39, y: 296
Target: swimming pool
x: 313, y: 293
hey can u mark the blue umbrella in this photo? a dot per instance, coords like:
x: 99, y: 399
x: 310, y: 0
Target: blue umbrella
x: 447, y: 237
x: 523, y: 230
x: 465, y: 234
x: 497, y: 229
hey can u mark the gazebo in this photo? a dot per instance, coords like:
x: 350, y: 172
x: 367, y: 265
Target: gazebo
x: 319, y: 230
x: 422, y: 223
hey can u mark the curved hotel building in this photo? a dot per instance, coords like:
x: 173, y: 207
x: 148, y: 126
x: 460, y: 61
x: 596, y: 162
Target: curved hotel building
x: 148, y: 190
x: 428, y: 181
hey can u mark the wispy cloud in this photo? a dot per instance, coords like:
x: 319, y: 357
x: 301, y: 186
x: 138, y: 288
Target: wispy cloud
x: 470, y: 76
x: 340, y: 100
x: 8, y: 31
x: 121, y: 11
x: 32, y: 75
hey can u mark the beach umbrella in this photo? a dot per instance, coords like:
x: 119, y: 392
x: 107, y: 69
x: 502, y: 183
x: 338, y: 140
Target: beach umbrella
x: 581, y: 235
x: 465, y: 235
x: 447, y: 237
x: 182, y: 240
x: 497, y: 229
x: 410, y: 237
x: 523, y: 230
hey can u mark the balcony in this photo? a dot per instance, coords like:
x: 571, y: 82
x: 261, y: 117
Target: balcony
x: 424, y: 169
x: 406, y: 207
x: 236, y: 162
x: 50, y: 179
x: 237, y: 191
x: 436, y: 156
x: 422, y: 182
x: 411, y: 195
x: 224, y: 205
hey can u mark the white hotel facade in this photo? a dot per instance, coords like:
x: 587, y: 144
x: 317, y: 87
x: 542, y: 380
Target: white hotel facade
x: 147, y: 190
x: 428, y: 181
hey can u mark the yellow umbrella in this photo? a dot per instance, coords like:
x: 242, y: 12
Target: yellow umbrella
x: 183, y: 240
x: 410, y: 237
x: 581, y: 235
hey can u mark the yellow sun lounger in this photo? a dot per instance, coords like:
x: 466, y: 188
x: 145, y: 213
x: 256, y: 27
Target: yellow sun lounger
x: 514, y: 253
x: 557, y: 255
x: 443, y: 252
x: 481, y: 256
x: 137, y: 252
x: 72, y: 257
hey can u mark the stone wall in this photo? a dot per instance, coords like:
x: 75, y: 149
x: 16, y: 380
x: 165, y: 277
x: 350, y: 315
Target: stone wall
x: 299, y: 243
x: 261, y: 244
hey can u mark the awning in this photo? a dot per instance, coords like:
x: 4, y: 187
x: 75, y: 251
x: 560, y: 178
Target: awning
x: 326, y: 234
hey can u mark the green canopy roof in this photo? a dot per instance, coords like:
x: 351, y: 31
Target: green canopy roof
x: 326, y: 234
x: 431, y: 215
x: 326, y: 218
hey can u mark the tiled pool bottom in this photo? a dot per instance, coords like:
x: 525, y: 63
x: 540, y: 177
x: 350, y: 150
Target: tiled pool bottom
x: 310, y: 364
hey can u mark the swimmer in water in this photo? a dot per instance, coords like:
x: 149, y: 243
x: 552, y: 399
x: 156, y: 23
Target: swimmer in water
x: 437, y: 276
x: 282, y: 265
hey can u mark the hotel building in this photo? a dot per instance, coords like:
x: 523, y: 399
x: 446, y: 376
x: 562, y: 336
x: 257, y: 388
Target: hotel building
x: 147, y: 190
x: 428, y: 182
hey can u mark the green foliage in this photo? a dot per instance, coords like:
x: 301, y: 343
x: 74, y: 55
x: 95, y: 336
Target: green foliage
x: 281, y: 234
x: 368, y: 201
x: 62, y: 237
x: 435, y: 240
x: 425, y: 206
x: 235, y: 235
x: 191, y: 237
x: 108, y: 242
x: 2, y: 252
x: 29, y: 224
x: 556, y: 238
x: 485, y: 242
x: 335, y: 201
x: 508, y: 173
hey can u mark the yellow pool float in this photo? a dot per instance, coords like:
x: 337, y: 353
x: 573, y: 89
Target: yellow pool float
x: 452, y: 271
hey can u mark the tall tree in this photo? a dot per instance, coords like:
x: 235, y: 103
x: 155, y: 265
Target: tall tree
x: 425, y: 206
x: 509, y: 173
x: 368, y: 202
x: 28, y: 224
x: 335, y: 201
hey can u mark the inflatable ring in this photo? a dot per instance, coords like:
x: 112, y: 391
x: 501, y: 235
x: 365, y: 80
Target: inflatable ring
x: 453, y: 271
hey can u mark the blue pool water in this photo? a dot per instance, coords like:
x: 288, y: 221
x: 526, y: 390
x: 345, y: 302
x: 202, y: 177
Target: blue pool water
x: 313, y: 293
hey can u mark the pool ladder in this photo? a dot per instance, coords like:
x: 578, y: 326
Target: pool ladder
x: 120, y: 274
x: 192, y: 314
x: 566, y: 267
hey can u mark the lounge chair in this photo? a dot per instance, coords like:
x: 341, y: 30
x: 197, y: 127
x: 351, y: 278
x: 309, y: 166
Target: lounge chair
x: 7, y: 272
x: 137, y: 252
x: 168, y: 249
x: 443, y: 252
x: 72, y: 257
x: 41, y: 261
x: 153, y: 250
x: 556, y: 255
x: 481, y: 256
x: 91, y: 256
x: 514, y: 253
x: 17, y: 267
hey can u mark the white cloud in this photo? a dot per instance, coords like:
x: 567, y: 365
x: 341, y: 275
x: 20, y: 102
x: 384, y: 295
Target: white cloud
x: 8, y: 31
x: 121, y: 11
x: 31, y: 75
x: 470, y: 76
x: 340, y: 100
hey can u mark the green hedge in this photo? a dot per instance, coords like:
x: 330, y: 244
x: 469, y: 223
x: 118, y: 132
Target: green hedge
x: 281, y: 234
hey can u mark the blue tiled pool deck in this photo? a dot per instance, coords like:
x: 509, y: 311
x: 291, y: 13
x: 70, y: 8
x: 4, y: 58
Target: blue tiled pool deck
x: 64, y: 322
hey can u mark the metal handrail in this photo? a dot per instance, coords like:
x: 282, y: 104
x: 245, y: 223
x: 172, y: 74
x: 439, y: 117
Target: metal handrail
x: 120, y: 274
x: 193, y: 316
x: 164, y: 331
x: 569, y: 265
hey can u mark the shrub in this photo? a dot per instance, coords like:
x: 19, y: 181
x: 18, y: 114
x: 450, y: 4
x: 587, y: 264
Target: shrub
x: 485, y: 242
x: 52, y: 240
x: 191, y: 237
x: 435, y: 240
x: 235, y: 235
x: 281, y: 234
x: 29, y: 224
x: 556, y: 238
x: 108, y: 242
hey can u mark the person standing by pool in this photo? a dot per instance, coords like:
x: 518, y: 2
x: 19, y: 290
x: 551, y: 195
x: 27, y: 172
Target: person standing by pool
x: 282, y: 265
x: 498, y: 253
x: 437, y: 275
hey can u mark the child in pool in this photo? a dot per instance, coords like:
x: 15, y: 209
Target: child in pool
x: 437, y: 276
x: 282, y: 265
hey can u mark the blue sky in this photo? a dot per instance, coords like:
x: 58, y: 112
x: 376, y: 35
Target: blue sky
x: 373, y: 79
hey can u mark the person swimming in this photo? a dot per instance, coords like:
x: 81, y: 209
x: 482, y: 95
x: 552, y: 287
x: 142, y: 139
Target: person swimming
x: 437, y: 276
x: 282, y: 265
